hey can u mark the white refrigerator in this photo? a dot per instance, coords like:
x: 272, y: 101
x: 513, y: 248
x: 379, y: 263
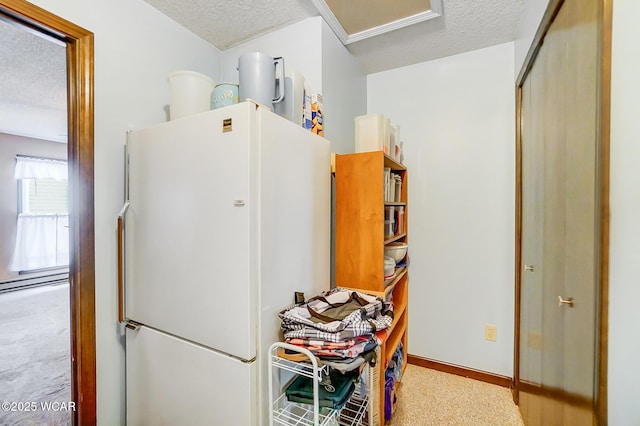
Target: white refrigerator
x: 227, y: 215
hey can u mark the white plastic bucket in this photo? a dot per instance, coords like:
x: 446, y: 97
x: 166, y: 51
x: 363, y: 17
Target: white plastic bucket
x: 190, y: 93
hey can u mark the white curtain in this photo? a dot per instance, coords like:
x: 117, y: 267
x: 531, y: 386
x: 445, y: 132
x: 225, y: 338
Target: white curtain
x: 40, y: 168
x: 42, y: 241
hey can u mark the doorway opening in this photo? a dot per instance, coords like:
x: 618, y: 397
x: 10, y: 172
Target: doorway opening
x: 78, y: 45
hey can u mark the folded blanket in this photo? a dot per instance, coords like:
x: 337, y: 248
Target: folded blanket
x: 312, y: 344
x: 332, y: 316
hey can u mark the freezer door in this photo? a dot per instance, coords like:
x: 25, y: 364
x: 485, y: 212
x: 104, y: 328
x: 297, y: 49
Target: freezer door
x: 190, y: 260
x: 173, y: 382
x: 296, y: 218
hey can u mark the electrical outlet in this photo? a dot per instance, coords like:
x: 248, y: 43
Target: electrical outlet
x: 490, y: 332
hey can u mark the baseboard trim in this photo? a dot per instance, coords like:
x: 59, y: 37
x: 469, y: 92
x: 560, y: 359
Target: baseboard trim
x: 470, y: 373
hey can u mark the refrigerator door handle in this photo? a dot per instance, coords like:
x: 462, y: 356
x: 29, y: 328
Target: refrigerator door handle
x: 121, y: 266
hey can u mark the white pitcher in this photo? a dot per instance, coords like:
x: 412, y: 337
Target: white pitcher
x: 258, y: 81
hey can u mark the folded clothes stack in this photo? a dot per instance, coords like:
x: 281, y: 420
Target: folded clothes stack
x: 338, y: 326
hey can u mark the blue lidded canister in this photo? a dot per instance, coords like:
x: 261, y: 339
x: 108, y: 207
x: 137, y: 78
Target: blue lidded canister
x: 224, y: 94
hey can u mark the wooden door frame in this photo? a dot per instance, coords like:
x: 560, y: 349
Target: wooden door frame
x: 603, y: 134
x: 79, y: 44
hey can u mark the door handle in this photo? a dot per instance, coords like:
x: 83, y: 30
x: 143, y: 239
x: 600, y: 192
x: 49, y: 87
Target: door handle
x: 121, y: 265
x: 562, y: 301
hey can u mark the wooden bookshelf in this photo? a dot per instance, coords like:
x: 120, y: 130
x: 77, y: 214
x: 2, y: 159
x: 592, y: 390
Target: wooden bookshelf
x: 360, y: 242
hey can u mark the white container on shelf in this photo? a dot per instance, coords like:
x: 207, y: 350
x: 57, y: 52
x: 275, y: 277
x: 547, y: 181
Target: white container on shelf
x: 397, y: 192
x: 370, y: 132
x: 190, y: 93
x: 388, y: 228
x: 400, y: 221
x: 387, y: 181
x: 389, y: 213
x: 389, y: 267
x: 386, y: 141
x: 392, y: 142
x: 395, y: 142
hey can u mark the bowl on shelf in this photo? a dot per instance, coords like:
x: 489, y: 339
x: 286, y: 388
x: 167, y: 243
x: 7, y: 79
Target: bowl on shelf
x: 389, y: 267
x: 396, y: 250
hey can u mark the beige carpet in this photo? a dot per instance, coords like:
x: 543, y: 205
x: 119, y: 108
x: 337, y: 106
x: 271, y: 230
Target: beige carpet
x: 35, y: 360
x: 429, y: 397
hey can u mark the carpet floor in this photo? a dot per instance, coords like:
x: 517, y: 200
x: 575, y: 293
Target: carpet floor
x: 35, y: 361
x: 432, y: 398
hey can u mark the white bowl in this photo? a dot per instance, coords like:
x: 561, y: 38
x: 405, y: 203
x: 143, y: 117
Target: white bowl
x: 396, y: 250
x: 389, y: 267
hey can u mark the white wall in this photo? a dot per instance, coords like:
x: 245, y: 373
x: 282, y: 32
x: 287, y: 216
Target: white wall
x: 136, y: 48
x: 457, y: 122
x: 624, y: 276
x: 529, y: 22
x: 344, y: 92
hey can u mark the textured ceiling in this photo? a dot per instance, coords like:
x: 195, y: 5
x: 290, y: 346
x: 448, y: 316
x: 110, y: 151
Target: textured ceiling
x: 33, y: 83
x: 33, y: 87
x: 465, y: 25
x: 226, y: 23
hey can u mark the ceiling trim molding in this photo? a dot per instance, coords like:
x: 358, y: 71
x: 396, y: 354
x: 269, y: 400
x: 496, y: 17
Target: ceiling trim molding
x: 332, y: 21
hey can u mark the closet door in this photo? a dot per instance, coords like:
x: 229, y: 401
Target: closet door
x: 580, y: 274
x: 531, y: 246
x: 560, y: 232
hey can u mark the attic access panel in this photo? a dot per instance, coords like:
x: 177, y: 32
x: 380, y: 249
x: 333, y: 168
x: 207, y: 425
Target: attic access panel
x: 354, y: 20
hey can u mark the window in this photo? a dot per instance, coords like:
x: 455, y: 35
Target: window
x: 44, y: 196
x: 42, y: 235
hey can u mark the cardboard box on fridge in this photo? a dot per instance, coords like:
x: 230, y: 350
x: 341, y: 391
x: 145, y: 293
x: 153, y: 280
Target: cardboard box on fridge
x: 316, y: 114
x: 307, y: 122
